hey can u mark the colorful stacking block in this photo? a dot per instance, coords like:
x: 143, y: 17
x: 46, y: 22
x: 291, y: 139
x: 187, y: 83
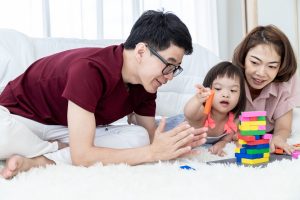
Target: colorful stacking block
x: 254, y: 141
x: 257, y: 146
x: 247, y: 138
x: 267, y: 136
x: 249, y: 156
x: 257, y: 142
x: 295, y: 154
x: 254, y: 114
x: 254, y: 161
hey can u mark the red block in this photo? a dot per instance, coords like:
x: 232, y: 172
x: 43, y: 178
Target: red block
x: 256, y: 142
x: 253, y: 118
x: 246, y: 138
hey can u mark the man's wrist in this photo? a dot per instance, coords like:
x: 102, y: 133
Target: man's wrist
x: 150, y: 154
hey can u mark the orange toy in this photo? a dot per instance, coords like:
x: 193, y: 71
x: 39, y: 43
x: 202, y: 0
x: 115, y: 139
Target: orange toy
x: 280, y: 151
x: 209, y: 102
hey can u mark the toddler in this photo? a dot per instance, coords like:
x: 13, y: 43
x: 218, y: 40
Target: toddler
x: 227, y: 82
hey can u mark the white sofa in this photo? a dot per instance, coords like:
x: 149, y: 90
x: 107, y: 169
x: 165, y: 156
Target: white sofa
x: 18, y: 51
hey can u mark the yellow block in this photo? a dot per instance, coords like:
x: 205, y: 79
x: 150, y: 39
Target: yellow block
x: 236, y: 150
x: 249, y: 128
x: 242, y: 141
x: 254, y: 161
x: 266, y: 155
x: 253, y: 123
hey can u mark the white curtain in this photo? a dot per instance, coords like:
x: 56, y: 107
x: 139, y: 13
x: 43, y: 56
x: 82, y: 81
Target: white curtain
x: 200, y: 16
x: 105, y: 19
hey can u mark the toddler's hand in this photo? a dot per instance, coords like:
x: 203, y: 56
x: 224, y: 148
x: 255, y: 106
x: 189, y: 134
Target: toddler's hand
x: 202, y: 93
x: 217, y: 148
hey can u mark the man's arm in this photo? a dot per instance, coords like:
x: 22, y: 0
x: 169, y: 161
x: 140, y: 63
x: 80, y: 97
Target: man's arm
x: 82, y: 128
x: 149, y: 124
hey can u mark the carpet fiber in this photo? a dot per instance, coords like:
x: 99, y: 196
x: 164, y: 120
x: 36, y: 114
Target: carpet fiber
x: 163, y: 180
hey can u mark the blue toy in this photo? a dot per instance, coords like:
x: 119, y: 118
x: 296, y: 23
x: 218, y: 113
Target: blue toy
x: 186, y: 167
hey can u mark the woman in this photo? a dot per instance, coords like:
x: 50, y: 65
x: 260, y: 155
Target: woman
x: 269, y: 64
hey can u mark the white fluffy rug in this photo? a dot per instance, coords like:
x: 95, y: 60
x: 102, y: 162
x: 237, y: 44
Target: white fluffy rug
x: 165, y: 180
x: 160, y: 181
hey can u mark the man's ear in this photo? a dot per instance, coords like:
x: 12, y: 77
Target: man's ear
x: 139, y: 51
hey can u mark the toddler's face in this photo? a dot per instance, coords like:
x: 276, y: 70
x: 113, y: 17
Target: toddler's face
x: 261, y: 66
x: 227, y: 93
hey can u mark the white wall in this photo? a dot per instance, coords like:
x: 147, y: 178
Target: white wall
x: 283, y: 14
x: 230, y: 26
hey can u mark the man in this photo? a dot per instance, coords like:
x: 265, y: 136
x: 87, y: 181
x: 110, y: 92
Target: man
x: 72, y: 96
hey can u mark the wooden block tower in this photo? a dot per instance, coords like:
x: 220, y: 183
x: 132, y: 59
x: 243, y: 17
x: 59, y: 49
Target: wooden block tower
x: 254, y: 142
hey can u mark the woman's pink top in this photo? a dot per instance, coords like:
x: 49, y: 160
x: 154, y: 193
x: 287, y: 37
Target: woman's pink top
x: 276, y: 98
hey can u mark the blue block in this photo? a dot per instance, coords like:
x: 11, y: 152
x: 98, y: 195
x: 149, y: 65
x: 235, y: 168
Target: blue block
x: 258, y: 137
x: 243, y: 150
x: 258, y: 146
x: 186, y: 167
x: 248, y: 156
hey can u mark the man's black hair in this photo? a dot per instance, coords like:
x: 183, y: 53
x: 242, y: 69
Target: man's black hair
x: 159, y: 30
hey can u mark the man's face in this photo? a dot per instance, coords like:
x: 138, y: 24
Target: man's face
x: 151, y: 71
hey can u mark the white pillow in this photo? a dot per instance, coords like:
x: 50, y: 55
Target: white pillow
x: 16, y: 54
x: 172, y: 96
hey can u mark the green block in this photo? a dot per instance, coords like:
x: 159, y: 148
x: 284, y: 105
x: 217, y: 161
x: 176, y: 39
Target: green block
x: 261, y: 118
x: 256, y: 132
x: 257, y: 151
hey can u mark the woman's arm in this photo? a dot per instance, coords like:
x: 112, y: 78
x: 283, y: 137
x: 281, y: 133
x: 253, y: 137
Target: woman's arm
x: 282, y: 131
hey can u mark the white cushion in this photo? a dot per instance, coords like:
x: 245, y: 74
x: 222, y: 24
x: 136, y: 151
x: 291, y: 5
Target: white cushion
x: 48, y: 46
x: 16, y: 53
x: 172, y: 96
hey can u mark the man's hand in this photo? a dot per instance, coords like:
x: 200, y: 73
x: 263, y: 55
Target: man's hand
x: 176, y: 142
x: 199, y: 137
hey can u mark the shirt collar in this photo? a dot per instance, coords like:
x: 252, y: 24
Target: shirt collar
x: 270, y: 89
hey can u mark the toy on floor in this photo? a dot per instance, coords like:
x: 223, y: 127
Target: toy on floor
x: 295, y: 153
x: 254, y: 141
x: 186, y: 167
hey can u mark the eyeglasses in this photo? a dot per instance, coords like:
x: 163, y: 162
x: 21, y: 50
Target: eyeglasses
x: 169, y: 68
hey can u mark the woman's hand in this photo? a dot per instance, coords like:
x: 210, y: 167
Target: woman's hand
x: 278, y: 142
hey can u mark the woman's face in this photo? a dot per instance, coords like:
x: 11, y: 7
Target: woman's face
x: 261, y: 66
